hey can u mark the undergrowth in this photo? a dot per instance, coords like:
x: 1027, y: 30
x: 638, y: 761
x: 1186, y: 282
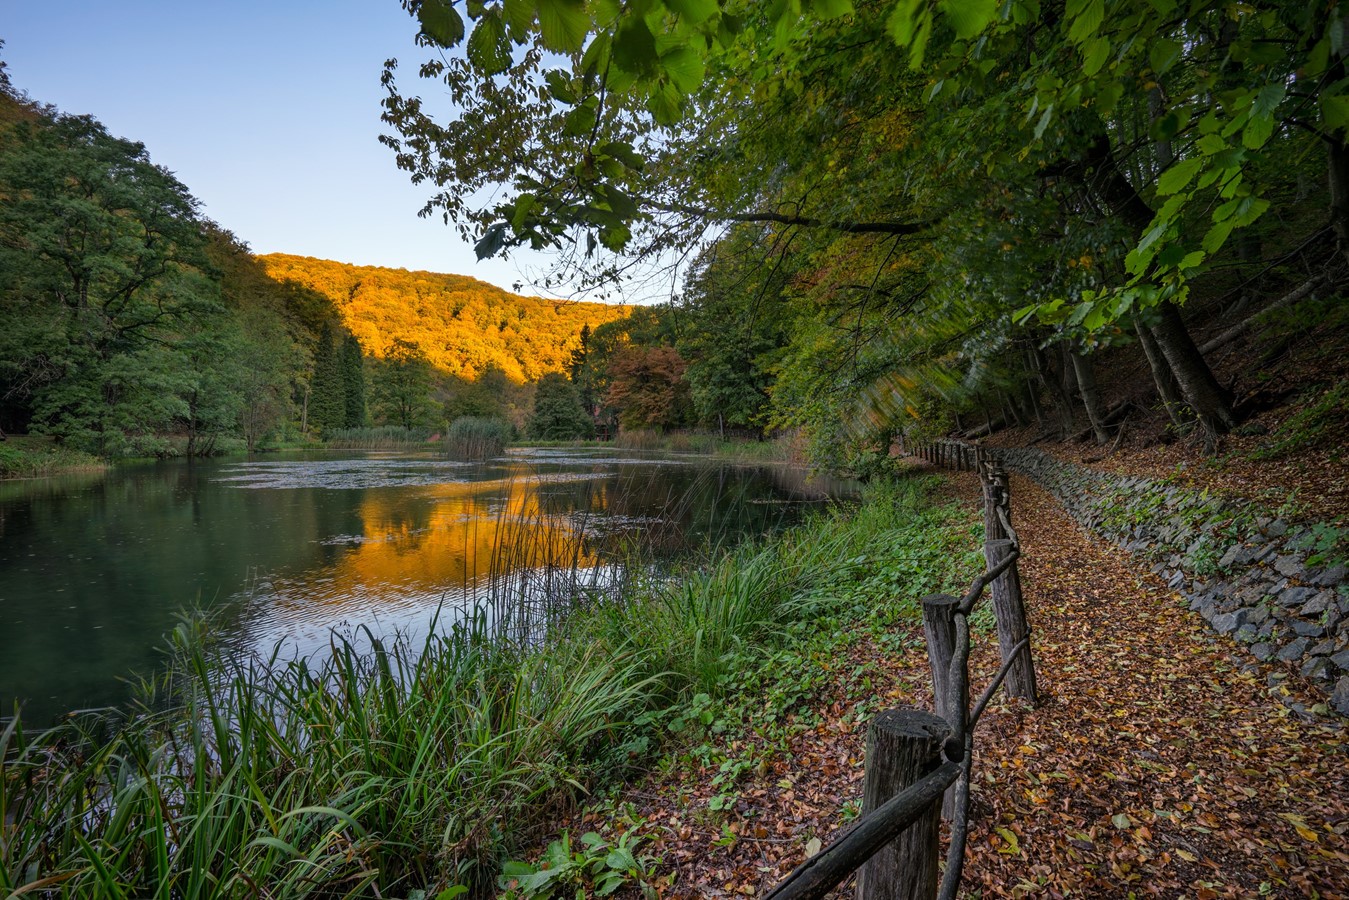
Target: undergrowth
x: 387, y: 770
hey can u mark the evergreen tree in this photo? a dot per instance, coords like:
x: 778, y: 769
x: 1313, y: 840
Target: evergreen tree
x: 353, y: 382
x: 328, y: 405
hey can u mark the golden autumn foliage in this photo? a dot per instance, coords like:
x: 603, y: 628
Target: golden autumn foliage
x: 463, y: 325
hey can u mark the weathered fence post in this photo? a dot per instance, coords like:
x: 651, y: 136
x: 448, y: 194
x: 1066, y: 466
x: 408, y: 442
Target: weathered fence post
x: 1008, y: 608
x: 940, y: 628
x: 903, y: 745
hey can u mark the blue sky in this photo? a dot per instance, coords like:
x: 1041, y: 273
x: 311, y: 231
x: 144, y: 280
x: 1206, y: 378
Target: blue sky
x: 267, y: 111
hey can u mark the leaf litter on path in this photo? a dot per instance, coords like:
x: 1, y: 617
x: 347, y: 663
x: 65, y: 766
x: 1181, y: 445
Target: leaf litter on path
x: 1159, y: 763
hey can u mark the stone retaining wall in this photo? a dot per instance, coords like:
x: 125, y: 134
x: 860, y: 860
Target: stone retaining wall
x: 1265, y: 583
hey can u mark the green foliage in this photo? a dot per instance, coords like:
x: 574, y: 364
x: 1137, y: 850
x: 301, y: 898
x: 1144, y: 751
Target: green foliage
x: 30, y: 461
x: 1310, y: 426
x: 558, y: 412
x: 469, y: 437
x: 353, y: 383
x: 380, y: 437
x: 595, y: 867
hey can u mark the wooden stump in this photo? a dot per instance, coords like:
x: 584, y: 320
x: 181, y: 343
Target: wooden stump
x: 902, y: 746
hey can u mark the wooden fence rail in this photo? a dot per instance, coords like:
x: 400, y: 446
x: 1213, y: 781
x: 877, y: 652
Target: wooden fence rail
x: 918, y: 764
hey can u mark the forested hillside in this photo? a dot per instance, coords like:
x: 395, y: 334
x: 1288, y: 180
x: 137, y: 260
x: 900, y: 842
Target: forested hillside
x: 462, y: 325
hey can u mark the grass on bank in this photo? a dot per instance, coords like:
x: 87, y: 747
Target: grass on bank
x: 379, y: 437
x: 388, y: 770
x: 41, y: 457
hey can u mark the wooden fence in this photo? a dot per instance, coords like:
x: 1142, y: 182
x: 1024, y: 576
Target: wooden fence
x: 917, y: 763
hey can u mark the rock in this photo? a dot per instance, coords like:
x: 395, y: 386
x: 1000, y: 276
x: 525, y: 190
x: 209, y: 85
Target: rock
x: 1262, y: 651
x: 1325, y: 648
x: 1227, y: 622
x: 1288, y: 565
x: 1339, y: 700
x: 1245, y: 634
x: 1236, y: 555
x: 1277, y: 528
x: 1316, y: 667
x: 1175, y: 581
x: 1317, y: 605
x: 1295, y: 596
x: 1308, y: 629
x: 1332, y: 575
x: 1294, y: 649
x: 1341, y: 659
x: 1257, y: 614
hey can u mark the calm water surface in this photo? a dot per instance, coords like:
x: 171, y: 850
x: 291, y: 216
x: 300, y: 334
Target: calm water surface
x: 94, y: 571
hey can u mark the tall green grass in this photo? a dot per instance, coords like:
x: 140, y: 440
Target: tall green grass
x: 382, y: 769
x: 475, y: 437
x: 379, y: 437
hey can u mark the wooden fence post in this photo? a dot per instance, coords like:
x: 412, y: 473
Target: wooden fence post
x: 1005, y: 592
x: 903, y: 745
x: 940, y: 628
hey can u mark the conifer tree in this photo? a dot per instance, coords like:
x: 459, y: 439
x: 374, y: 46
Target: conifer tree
x: 328, y: 407
x: 353, y: 382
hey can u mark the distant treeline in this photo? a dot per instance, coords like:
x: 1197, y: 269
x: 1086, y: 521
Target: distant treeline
x: 132, y: 325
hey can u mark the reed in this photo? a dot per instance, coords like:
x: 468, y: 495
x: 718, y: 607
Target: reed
x: 477, y: 438
x: 381, y: 437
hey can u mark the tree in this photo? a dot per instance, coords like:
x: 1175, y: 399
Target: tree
x: 328, y: 400
x: 105, y: 270
x: 558, y: 412
x: 647, y: 388
x: 353, y: 382
x: 401, y: 385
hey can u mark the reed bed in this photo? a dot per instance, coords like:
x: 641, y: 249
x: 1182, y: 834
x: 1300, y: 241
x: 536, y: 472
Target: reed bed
x: 477, y: 438
x: 381, y: 437
x: 385, y: 769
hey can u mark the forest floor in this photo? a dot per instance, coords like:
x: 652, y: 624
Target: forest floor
x: 1160, y: 761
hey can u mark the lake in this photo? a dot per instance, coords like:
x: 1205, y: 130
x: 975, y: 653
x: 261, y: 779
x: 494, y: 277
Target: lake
x: 285, y: 548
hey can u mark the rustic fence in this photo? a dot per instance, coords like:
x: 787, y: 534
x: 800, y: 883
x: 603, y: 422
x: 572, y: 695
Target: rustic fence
x: 917, y: 763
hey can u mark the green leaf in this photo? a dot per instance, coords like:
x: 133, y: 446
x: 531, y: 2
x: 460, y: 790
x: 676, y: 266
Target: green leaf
x: 832, y: 9
x: 685, y: 68
x: 1257, y: 132
x: 559, y: 86
x: 1335, y: 111
x: 492, y: 242
x: 1217, y: 236
x: 523, y: 205
x: 635, y: 47
x: 1175, y: 179
x: 1121, y: 821
x: 519, y: 15
x: 904, y: 21
x: 623, y: 152
x: 451, y: 892
x: 968, y: 18
x: 488, y: 48
x: 1163, y: 53
x: 1086, y: 17
x: 441, y: 22
x: 1094, y: 55
x: 579, y: 121
x: 563, y: 24
x: 695, y: 12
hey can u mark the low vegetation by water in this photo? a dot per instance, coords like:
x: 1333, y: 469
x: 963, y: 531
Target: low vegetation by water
x: 476, y: 437
x: 37, y: 458
x: 420, y: 768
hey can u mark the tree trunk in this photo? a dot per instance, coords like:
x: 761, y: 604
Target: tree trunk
x: 1339, y: 193
x: 1062, y: 402
x: 1161, y: 374
x: 1091, y: 394
x: 1210, y: 401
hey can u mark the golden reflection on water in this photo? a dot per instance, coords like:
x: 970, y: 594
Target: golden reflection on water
x: 461, y: 534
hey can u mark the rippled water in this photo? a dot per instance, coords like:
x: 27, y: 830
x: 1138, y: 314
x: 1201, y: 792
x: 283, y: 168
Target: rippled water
x: 95, y: 571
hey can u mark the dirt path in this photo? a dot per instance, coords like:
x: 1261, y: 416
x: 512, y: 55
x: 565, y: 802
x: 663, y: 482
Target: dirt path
x: 1158, y: 764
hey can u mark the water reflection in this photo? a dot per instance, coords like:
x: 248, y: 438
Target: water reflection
x: 94, y: 572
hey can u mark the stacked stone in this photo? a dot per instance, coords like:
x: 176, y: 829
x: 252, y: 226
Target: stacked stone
x: 1247, y: 574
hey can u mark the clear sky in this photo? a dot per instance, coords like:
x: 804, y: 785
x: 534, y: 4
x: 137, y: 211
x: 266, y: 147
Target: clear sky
x: 267, y: 111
